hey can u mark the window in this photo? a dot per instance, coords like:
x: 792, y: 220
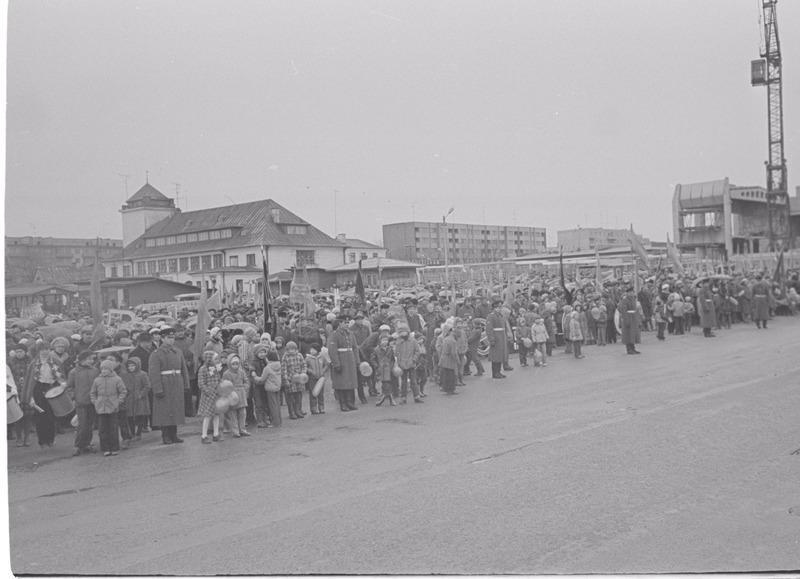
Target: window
x: 304, y: 257
x: 225, y: 233
x: 217, y: 260
x: 183, y: 264
x: 234, y: 261
x: 172, y: 265
x: 162, y: 265
x: 251, y: 259
x: 351, y: 257
x: 170, y: 240
x: 151, y: 267
x: 191, y: 237
x: 181, y: 238
x: 160, y: 241
x: 363, y: 255
x: 113, y: 273
x: 206, y: 262
x: 149, y: 242
x: 213, y: 234
x: 141, y: 268
x: 296, y: 229
x: 194, y: 262
x: 126, y: 271
x: 239, y: 286
x: 202, y: 236
x: 374, y: 254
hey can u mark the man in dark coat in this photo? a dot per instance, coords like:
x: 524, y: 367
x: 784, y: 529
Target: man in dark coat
x: 761, y: 302
x: 498, y: 341
x: 628, y: 320
x: 706, y: 309
x: 343, y: 351
x: 169, y: 378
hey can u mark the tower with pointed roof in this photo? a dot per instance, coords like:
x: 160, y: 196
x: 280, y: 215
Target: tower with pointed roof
x: 144, y: 209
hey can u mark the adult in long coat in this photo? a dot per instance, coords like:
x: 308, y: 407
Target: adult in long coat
x: 169, y: 378
x: 706, y: 310
x: 343, y: 351
x: 628, y: 320
x: 761, y: 302
x: 498, y: 341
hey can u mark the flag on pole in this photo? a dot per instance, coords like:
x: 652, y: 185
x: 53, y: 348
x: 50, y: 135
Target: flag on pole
x: 598, y: 278
x: 269, y: 324
x: 777, y: 277
x: 567, y: 293
x: 96, y: 301
x: 637, y: 247
x: 674, y: 257
x: 214, y: 302
x: 360, y: 284
x: 203, y: 321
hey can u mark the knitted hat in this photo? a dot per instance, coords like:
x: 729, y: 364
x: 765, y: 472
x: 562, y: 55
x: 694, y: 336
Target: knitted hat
x: 59, y: 340
x: 107, y: 365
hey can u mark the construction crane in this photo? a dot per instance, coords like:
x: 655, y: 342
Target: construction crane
x: 767, y: 71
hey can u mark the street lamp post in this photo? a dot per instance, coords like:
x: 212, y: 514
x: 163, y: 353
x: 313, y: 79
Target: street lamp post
x: 446, y: 243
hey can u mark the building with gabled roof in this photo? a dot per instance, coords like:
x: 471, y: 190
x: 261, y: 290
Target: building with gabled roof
x: 356, y: 249
x: 220, y: 244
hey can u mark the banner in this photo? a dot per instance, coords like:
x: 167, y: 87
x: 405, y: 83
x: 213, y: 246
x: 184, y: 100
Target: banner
x: 637, y: 247
x: 269, y: 321
x: 203, y: 321
x: 300, y: 293
x: 674, y: 257
x: 360, y: 284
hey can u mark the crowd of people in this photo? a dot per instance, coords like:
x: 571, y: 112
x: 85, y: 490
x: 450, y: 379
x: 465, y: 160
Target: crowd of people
x: 126, y: 384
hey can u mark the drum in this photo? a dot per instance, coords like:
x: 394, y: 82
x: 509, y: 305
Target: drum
x: 13, y: 409
x: 59, y: 400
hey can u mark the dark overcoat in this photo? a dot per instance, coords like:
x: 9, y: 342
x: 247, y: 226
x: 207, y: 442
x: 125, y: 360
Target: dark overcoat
x: 760, y: 301
x: 628, y: 318
x: 343, y: 351
x: 168, y: 374
x: 706, y: 309
x: 496, y: 333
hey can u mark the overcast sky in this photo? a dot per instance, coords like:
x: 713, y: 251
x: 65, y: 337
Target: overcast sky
x: 539, y: 113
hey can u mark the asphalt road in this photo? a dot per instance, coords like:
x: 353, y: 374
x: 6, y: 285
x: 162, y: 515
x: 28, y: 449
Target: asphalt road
x: 677, y: 460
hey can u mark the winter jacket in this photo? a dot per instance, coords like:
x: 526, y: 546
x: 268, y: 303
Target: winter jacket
x: 539, y: 332
x: 449, y: 356
x: 138, y: 385
x: 79, y: 383
x: 383, y: 361
x: 575, y: 330
x: 407, y: 352
x: 108, y: 393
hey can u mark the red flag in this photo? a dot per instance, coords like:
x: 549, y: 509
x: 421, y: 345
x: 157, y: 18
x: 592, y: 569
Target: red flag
x: 269, y: 322
x: 360, y: 284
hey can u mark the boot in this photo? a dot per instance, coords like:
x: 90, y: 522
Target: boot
x: 312, y: 404
x: 381, y: 401
x: 391, y: 401
x: 321, y: 403
x: 342, y: 406
x: 350, y: 401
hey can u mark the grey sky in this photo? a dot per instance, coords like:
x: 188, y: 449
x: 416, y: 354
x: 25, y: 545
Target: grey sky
x: 552, y: 114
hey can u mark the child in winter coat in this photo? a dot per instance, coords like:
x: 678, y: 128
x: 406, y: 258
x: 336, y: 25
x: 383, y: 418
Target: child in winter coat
x: 241, y: 385
x: 293, y: 364
x: 383, y: 360
x: 107, y: 395
x: 523, y: 332
x: 208, y: 379
x: 539, y: 336
x: 576, y: 333
x: 318, y: 367
x: 137, y: 405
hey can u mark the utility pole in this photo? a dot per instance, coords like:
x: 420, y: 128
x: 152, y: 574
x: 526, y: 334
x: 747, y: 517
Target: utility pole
x: 767, y: 71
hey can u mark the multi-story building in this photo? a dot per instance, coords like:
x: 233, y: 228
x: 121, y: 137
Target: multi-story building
x: 424, y: 242
x: 716, y: 219
x: 48, y: 259
x: 221, y: 245
x: 357, y: 249
x: 591, y: 238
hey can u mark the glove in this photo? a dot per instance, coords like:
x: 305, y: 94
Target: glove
x: 161, y: 394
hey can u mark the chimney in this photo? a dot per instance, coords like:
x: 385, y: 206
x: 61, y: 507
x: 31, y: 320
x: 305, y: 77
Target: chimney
x: 341, y: 237
x: 276, y: 215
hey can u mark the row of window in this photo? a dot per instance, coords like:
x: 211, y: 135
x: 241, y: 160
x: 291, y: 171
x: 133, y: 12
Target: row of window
x: 303, y: 257
x: 189, y: 237
x: 351, y: 256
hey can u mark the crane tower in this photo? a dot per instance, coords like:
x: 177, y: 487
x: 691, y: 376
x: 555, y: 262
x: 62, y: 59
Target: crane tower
x: 767, y: 71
